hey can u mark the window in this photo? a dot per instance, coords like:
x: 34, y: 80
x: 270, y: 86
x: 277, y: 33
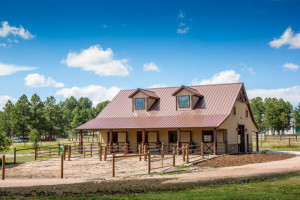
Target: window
x: 172, y: 136
x: 246, y: 113
x: 207, y: 136
x: 140, y: 136
x: 139, y: 103
x: 234, y: 110
x: 184, y: 101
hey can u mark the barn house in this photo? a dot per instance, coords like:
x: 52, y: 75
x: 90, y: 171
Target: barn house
x: 218, y: 115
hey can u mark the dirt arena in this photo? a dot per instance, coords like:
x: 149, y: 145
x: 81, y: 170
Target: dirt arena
x: 92, y: 168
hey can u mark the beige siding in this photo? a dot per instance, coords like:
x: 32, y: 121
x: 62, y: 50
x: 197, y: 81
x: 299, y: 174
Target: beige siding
x: 150, y: 103
x: 232, y: 122
x: 152, y: 136
x: 194, y: 101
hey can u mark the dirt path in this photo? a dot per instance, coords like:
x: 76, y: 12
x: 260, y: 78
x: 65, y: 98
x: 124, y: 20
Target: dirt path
x: 96, y: 173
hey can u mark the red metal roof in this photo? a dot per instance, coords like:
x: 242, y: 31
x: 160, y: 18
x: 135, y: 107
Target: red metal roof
x: 210, y: 111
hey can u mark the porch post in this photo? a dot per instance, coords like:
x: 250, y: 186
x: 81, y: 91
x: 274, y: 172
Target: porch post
x: 110, y: 140
x: 143, y: 137
x: 178, y: 141
x: 81, y: 141
x: 215, y: 141
x: 257, y: 148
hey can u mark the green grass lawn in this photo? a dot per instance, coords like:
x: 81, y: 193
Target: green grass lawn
x: 277, y: 143
x: 285, y: 187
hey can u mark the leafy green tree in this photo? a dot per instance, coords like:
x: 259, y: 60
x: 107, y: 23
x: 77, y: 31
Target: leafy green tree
x: 34, y: 137
x: 21, y: 117
x: 5, y: 142
x: 54, y: 117
x: 271, y: 114
x: 296, y: 116
x: 285, y: 110
x: 67, y: 108
x: 37, y: 109
x: 6, y: 118
x: 258, y: 110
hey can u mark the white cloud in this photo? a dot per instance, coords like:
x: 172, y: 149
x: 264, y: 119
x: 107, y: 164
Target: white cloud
x: 4, y: 99
x: 183, y: 23
x: 290, y: 66
x: 2, y: 45
x: 6, y: 69
x: 248, y: 69
x: 287, y: 38
x: 99, y: 61
x: 38, y: 80
x: 158, y: 86
x: 291, y: 94
x: 151, y: 67
x: 183, y: 30
x: 229, y: 76
x: 96, y: 93
x: 7, y: 30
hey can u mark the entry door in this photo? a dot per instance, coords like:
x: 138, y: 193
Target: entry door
x: 241, y: 135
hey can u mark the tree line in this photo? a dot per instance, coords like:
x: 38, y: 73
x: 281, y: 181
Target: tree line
x: 275, y: 115
x: 47, y: 118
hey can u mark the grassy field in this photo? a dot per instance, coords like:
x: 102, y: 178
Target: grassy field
x: 277, y: 143
x: 285, y: 187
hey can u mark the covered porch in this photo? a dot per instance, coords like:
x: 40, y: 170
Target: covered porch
x: 211, y: 141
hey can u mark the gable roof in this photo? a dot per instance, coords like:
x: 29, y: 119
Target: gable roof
x: 146, y: 92
x: 192, y: 90
x: 210, y: 111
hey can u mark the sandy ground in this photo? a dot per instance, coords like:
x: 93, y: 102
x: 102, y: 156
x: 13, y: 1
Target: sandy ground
x: 92, y: 170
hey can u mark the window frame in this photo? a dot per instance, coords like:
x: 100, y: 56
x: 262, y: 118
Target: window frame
x: 208, y: 132
x: 234, y: 110
x: 188, y: 101
x: 246, y: 113
x: 135, y: 99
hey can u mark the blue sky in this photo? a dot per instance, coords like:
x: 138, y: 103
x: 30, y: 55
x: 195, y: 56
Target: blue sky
x: 94, y: 48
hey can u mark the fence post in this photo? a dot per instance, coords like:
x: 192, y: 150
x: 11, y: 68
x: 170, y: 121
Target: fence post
x: 105, y: 152
x: 64, y: 152
x: 202, y: 150
x: 145, y: 152
x: 83, y: 152
x: 187, y: 153
x: 110, y: 148
x: 100, y: 153
x: 149, y: 162
x: 215, y: 148
x: 183, y: 153
x: 289, y: 141
x: 69, y: 152
x: 58, y: 150
x: 62, y: 166
x: 162, y: 150
x: 15, y: 155
x: 3, y: 167
x: 91, y: 149
x: 113, y: 165
x: 125, y: 149
x: 35, y: 152
x: 140, y: 151
x: 173, y: 156
x: 177, y: 148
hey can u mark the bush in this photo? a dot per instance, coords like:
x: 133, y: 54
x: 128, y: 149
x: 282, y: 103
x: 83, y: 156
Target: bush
x: 5, y: 142
x: 34, y: 137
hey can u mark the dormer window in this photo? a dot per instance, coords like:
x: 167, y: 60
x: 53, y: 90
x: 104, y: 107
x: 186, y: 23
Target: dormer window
x: 139, y: 103
x: 143, y: 100
x: 184, y: 101
x: 186, y: 98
